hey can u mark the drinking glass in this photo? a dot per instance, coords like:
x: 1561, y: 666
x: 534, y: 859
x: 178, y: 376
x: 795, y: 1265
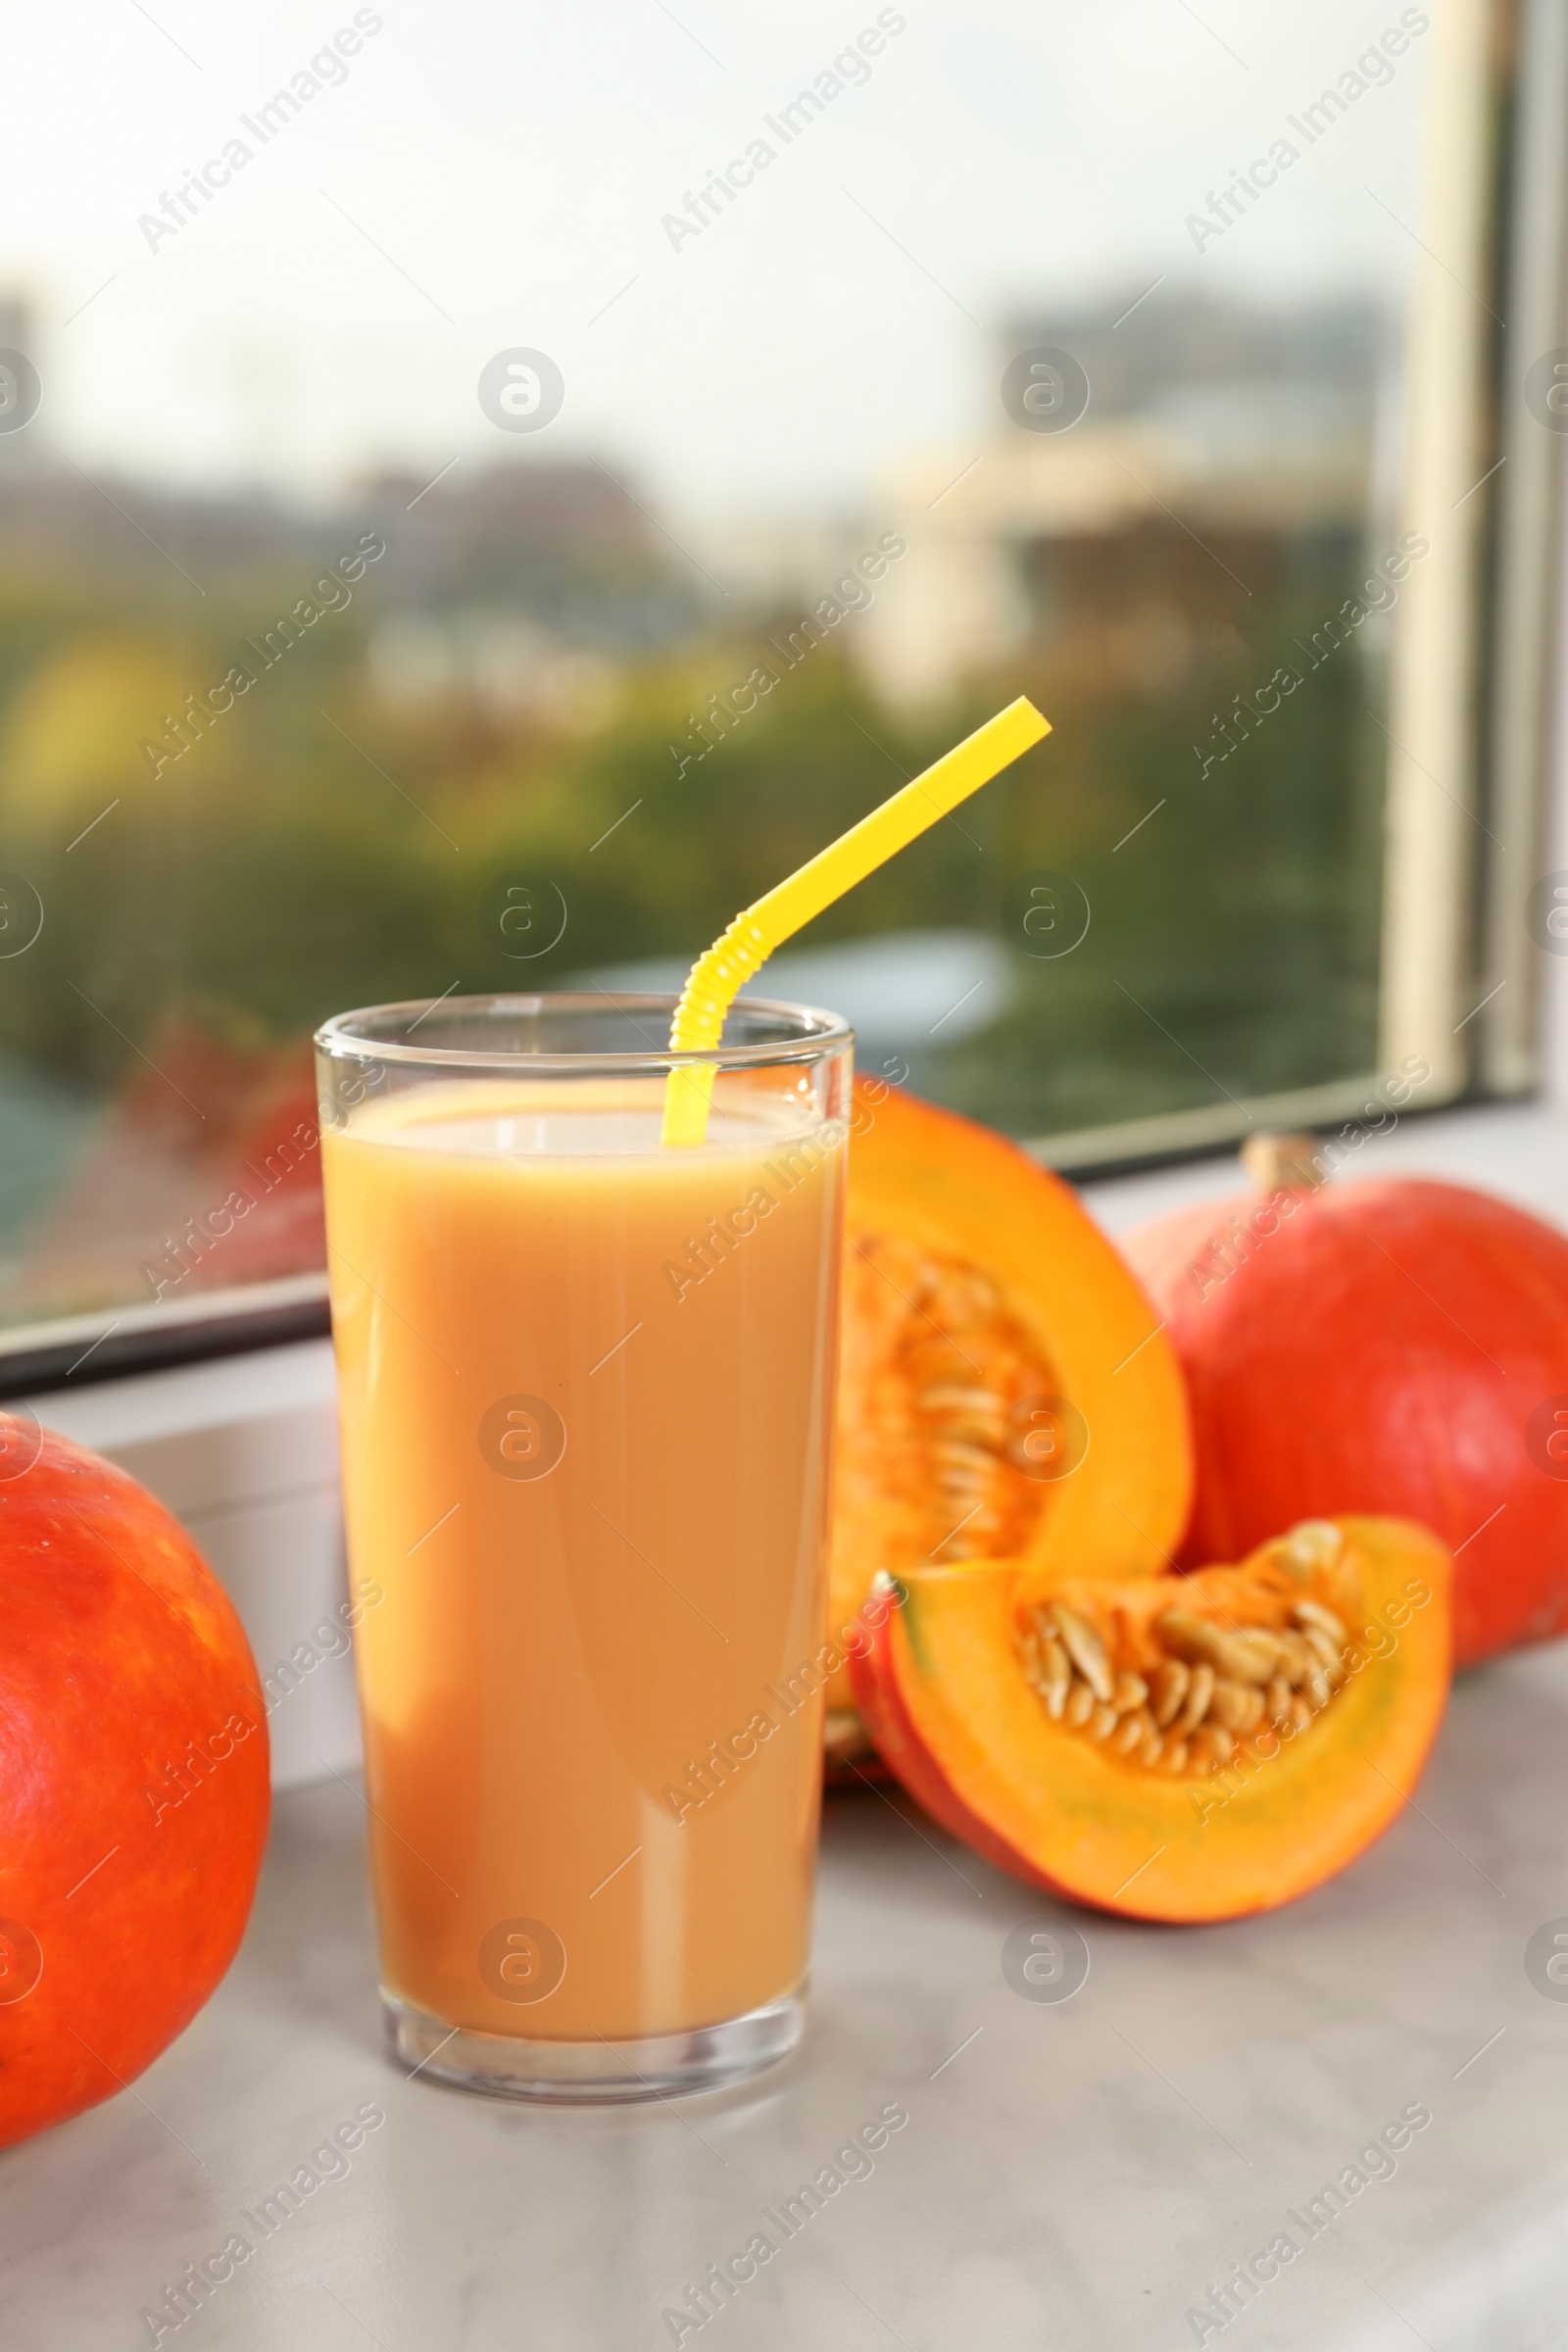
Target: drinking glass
x: 586, y: 1394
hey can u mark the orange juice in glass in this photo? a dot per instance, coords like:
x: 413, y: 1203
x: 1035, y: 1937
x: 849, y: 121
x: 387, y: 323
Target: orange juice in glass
x: 586, y: 1394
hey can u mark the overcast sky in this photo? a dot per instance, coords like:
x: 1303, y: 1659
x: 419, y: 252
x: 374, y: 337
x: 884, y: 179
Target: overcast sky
x: 489, y: 175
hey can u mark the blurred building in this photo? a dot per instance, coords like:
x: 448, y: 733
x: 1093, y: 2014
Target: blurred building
x: 1214, y: 441
x: 521, y: 587
x: 518, y: 586
x: 1218, y: 442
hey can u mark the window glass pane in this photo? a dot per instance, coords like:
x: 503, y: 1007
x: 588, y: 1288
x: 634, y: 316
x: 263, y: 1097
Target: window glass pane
x: 504, y: 490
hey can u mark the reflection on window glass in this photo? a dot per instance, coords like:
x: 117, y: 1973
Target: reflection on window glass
x: 491, y: 501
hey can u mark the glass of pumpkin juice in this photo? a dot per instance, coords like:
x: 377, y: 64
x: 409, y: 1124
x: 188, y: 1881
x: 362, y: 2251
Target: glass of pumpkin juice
x: 586, y: 1395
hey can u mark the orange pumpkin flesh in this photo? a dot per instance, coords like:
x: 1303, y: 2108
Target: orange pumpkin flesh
x: 1003, y: 1389
x: 942, y: 1689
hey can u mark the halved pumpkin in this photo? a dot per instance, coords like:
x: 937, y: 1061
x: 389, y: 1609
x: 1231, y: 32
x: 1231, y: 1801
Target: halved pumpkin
x: 1005, y: 1387
x: 1044, y: 1720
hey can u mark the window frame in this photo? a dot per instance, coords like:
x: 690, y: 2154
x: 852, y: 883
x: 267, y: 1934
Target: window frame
x: 1474, y: 707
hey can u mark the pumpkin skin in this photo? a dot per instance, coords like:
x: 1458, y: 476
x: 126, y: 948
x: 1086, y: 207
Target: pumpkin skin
x: 1395, y: 1345
x: 1087, y: 1457
x: 133, y: 1779
x: 939, y: 1687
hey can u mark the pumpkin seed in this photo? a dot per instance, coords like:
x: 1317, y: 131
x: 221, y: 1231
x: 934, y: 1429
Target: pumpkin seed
x: 1171, y: 1677
x: 1296, y: 1659
x: 1129, y: 1694
x: 1080, y: 1706
x: 1254, y: 1654
x: 1056, y: 1678
x: 1188, y: 1637
x: 1200, y: 1690
x: 1327, y: 1653
x: 1312, y: 1617
x: 1311, y: 1545
x: 959, y: 1453
x: 1247, y: 1655
x: 1102, y: 1722
x: 1087, y: 1652
x: 954, y: 1398
x: 1238, y: 1707
x: 1129, y: 1734
x: 1212, y: 1745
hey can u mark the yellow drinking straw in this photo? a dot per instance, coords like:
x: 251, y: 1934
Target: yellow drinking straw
x: 717, y: 976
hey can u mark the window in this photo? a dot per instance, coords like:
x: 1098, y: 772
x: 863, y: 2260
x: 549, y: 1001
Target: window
x: 479, y: 503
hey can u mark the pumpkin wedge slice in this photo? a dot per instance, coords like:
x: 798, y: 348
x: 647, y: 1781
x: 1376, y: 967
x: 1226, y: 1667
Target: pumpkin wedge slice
x: 1005, y: 1389
x: 1178, y: 1748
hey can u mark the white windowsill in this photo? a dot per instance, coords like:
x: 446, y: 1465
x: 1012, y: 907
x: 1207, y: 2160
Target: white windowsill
x: 1518, y: 1149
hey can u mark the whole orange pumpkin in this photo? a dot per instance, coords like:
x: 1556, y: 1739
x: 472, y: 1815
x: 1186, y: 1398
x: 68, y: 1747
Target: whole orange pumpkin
x: 1387, y: 1345
x: 133, y: 1779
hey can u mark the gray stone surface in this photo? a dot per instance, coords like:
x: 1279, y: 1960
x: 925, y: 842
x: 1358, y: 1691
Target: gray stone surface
x: 1073, y: 2176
